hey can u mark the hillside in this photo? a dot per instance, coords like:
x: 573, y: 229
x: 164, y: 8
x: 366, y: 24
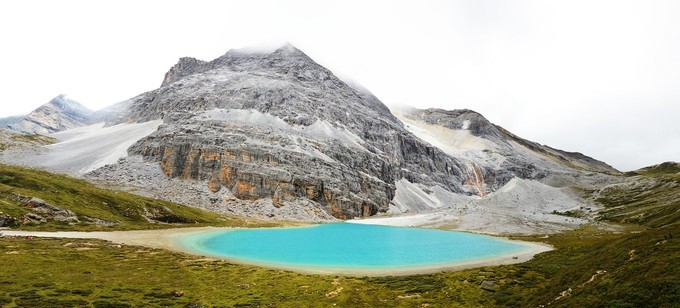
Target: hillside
x: 274, y: 135
x: 38, y: 200
x: 59, y: 114
x: 649, y: 196
x: 599, y: 265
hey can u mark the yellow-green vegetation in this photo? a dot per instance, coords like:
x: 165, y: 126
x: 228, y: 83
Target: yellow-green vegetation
x: 36, y: 139
x: 68, y: 273
x: 595, y: 268
x: 9, y: 139
x: 599, y: 265
x: 651, y: 197
x: 96, y: 208
x: 601, y: 268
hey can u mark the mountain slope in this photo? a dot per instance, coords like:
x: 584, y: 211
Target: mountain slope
x: 60, y: 113
x: 276, y: 135
x: 496, y: 152
x: 40, y: 200
x: 649, y: 196
x: 5, y: 122
x: 278, y: 125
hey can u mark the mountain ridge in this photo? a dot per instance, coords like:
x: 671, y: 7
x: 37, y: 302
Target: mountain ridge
x: 280, y: 133
x: 60, y: 113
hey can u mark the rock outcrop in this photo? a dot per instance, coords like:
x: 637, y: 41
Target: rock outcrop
x: 494, y: 155
x: 61, y: 113
x: 278, y: 125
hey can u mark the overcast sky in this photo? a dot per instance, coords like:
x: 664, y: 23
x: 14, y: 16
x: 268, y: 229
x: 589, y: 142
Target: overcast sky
x: 597, y: 77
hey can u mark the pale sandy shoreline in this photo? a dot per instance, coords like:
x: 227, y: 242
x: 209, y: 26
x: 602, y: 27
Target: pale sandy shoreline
x: 168, y: 239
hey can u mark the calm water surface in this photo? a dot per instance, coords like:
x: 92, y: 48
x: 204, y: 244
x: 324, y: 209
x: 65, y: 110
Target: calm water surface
x: 347, y: 245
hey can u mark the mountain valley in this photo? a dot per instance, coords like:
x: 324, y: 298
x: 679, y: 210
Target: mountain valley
x: 274, y: 139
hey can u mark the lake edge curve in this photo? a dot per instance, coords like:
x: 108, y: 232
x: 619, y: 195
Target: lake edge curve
x: 529, y: 250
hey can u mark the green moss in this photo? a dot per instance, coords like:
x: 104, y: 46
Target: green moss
x: 35, y: 139
x: 9, y: 140
x: 635, y: 266
x: 667, y: 168
x: 104, y: 274
x: 651, y: 200
x: 127, y: 211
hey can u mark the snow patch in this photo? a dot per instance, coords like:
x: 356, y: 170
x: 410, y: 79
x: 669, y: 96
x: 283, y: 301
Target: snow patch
x: 85, y: 149
x: 466, y: 124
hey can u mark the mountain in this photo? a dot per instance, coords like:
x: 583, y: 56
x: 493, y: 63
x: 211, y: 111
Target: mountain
x: 465, y: 133
x: 60, y: 113
x: 278, y: 125
x: 5, y: 122
x: 276, y: 135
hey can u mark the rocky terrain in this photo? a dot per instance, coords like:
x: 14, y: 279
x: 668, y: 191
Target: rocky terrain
x: 276, y: 135
x: 278, y: 125
x: 59, y: 114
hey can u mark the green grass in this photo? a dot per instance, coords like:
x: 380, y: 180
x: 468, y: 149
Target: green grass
x: 35, y: 139
x: 66, y: 272
x: 638, y: 268
x: 652, y: 199
x: 127, y: 211
x: 663, y: 169
x: 61, y: 272
x: 632, y: 265
x: 9, y: 139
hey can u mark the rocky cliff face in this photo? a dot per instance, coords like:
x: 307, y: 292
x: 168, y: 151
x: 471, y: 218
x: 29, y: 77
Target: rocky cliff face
x: 493, y: 154
x: 518, y: 153
x: 61, y: 113
x: 278, y: 125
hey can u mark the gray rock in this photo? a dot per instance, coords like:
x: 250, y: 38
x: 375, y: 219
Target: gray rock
x: 489, y: 286
x: 8, y: 221
x: 278, y: 125
x: 47, y: 210
x: 276, y: 135
x: 33, y: 219
x: 61, y: 113
x: 6, y: 121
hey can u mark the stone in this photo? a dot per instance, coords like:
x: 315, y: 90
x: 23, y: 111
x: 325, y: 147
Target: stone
x: 278, y: 126
x: 489, y: 286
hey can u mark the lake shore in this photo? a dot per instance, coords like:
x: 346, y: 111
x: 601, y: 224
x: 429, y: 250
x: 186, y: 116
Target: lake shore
x: 168, y: 239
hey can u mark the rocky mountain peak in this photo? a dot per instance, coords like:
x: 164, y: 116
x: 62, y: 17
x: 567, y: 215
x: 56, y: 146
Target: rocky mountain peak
x: 459, y: 119
x: 283, y: 82
x: 290, y: 51
x: 184, y: 67
x: 275, y: 125
x: 70, y: 107
x: 286, y: 57
x: 58, y: 114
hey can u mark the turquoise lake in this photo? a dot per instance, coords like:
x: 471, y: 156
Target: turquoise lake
x: 347, y: 245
